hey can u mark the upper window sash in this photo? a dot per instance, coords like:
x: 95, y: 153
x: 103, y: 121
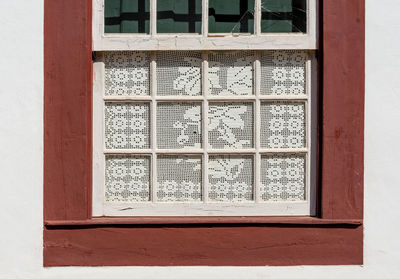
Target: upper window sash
x: 205, y: 41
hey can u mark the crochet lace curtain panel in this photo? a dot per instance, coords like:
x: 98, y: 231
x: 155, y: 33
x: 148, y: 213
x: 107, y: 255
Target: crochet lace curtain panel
x: 186, y: 126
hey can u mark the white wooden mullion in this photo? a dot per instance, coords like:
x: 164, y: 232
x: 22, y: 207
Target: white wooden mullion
x: 204, y: 18
x: 128, y: 98
x: 98, y: 21
x: 148, y: 151
x: 313, y: 131
x: 98, y: 166
x: 214, y: 42
x: 308, y: 128
x: 283, y: 150
x: 257, y: 125
x: 312, y: 21
x: 153, y: 17
x: 221, y: 98
x: 209, y: 209
x: 103, y: 125
x: 283, y: 97
x: 205, y: 122
x: 311, y: 164
x: 232, y: 98
x: 249, y: 151
x: 153, y: 126
x: 257, y: 17
x: 180, y: 98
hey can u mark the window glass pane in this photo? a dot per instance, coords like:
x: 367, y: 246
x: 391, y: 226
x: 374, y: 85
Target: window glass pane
x: 231, y: 16
x: 127, y: 178
x: 178, y: 73
x: 283, y: 178
x: 127, y: 16
x: 178, y: 125
x: 127, y: 125
x: 230, y: 178
x: 283, y: 72
x: 179, y: 178
x: 283, y: 125
x: 283, y: 16
x: 127, y: 73
x: 230, y: 73
x: 179, y: 16
x: 230, y: 125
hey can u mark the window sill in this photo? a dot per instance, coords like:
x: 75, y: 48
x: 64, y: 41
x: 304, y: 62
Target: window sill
x: 290, y: 221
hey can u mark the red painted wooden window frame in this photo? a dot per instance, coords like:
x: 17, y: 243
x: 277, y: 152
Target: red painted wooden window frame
x: 72, y: 237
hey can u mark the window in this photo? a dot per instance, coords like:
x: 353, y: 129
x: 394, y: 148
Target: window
x: 72, y: 236
x: 204, y: 132
x: 204, y: 25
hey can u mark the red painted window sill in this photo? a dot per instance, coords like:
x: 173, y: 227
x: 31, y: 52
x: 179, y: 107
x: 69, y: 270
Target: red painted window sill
x: 306, y: 221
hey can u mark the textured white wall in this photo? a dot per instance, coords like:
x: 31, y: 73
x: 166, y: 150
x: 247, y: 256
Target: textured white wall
x: 21, y: 130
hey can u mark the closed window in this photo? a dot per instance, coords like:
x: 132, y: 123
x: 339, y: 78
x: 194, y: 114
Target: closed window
x: 204, y: 108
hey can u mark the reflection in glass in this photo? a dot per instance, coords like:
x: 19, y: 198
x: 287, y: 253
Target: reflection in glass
x: 231, y: 16
x: 179, y: 16
x: 281, y: 16
x: 127, y: 16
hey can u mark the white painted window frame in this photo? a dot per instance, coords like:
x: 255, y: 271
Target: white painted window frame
x: 204, y: 41
x: 203, y: 208
x: 154, y: 42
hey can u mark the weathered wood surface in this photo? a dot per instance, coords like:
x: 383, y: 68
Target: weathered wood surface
x: 67, y: 109
x: 180, y: 245
x: 343, y: 109
x: 303, y: 221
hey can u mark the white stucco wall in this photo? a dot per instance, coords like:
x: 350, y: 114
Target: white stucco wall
x: 21, y: 129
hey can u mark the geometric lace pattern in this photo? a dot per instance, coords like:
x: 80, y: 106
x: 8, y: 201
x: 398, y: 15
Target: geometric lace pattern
x: 127, y: 179
x: 230, y: 125
x: 230, y: 178
x: 283, y: 178
x: 179, y: 178
x: 175, y: 155
x: 178, y: 125
x: 178, y: 73
x: 127, y: 73
x: 282, y: 125
x: 283, y: 72
x: 127, y: 125
x: 230, y: 73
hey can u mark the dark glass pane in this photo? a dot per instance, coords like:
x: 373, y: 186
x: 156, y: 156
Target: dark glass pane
x: 283, y: 16
x: 231, y: 16
x: 179, y: 16
x: 127, y: 16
